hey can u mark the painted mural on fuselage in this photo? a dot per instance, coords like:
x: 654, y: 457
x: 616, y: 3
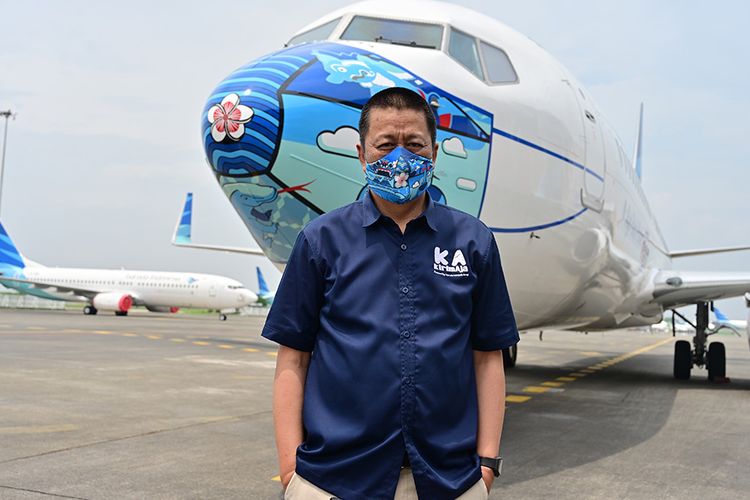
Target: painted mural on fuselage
x: 304, y: 110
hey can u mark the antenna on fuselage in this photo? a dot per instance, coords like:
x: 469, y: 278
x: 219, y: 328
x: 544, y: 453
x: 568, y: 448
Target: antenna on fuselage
x: 638, y: 146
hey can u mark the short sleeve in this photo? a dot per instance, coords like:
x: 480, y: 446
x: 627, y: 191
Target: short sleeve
x: 293, y: 320
x: 493, y: 325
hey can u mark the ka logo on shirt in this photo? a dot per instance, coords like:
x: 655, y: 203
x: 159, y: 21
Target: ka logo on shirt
x: 457, y: 266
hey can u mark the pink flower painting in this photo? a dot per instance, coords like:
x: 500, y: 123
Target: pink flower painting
x: 228, y: 118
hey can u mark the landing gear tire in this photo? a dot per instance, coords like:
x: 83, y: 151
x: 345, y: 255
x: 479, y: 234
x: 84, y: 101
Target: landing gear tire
x: 509, y: 356
x: 121, y: 313
x: 222, y: 317
x: 89, y: 310
x: 717, y: 361
x: 683, y: 360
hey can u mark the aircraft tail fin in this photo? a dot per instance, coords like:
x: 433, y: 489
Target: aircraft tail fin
x: 182, y: 233
x: 720, y: 315
x: 9, y: 255
x: 262, y: 286
x: 637, y: 154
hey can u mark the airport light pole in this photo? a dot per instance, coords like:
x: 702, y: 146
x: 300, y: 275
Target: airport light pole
x: 7, y: 115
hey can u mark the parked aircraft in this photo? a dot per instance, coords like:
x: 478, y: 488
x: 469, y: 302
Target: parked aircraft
x: 523, y: 146
x: 119, y: 290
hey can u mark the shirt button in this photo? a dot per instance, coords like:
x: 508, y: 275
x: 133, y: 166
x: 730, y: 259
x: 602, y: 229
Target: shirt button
x: 405, y: 289
x: 406, y: 335
x: 407, y: 380
x: 403, y: 246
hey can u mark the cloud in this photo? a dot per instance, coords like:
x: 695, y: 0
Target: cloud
x: 341, y: 142
x: 454, y: 147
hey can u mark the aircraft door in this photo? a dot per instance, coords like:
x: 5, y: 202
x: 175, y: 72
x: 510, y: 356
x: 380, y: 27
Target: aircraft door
x: 212, y: 291
x: 595, y: 168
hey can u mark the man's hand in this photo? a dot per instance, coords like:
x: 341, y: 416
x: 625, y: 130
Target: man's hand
x: 488, y: 476
x: 286, y: 478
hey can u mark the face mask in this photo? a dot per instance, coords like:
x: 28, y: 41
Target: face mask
x: 400, y: 176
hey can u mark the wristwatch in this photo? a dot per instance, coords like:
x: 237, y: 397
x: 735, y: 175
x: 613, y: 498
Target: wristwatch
x: 496, y: 464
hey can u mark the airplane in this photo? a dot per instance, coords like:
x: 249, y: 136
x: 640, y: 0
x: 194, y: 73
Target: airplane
x: 118, y: 290
x: 523, y: 146
x: 182, y: 237
x: 722, y: 321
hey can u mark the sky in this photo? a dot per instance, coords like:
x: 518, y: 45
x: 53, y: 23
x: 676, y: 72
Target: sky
x: 108, y: 97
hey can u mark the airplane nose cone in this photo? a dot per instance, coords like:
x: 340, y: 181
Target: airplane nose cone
x: 246, y: 297
x: 280, y: 136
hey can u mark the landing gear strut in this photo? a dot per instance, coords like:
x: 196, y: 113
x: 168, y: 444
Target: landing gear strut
x: 713, y: 357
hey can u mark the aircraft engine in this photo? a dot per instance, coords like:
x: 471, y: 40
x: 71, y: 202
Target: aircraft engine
x: 112, y: 301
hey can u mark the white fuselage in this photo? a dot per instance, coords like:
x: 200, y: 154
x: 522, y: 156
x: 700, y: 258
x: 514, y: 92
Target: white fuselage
x: 591, y: 263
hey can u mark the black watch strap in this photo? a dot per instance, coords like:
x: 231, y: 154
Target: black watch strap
x: 495, y: 464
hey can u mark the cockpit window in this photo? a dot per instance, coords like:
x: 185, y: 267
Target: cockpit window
x: 316, y: 34
x: 498, y: 66
x: 371, y: 29
x: 463, y: 48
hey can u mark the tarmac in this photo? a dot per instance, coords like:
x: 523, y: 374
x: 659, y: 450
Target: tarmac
x: 154, y: 406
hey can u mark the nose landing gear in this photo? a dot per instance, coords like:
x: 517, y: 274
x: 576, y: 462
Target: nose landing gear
x: 713, y: 356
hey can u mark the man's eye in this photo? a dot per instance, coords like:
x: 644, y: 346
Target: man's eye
x: 385, y: 145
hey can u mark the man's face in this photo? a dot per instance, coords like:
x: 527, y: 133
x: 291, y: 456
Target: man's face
x: 390, y: 128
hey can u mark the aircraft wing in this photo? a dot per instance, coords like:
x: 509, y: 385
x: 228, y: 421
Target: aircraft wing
x: 674, y: 289
x: 53, y: 287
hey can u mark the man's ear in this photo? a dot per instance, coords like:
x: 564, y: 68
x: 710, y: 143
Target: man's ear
x: 361, y: 156
x: 435, y: 150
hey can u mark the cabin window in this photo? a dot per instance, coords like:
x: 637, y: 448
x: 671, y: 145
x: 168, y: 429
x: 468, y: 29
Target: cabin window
x: 463, y: 48
x: 322, y: 32
x: 411, y: 34
x: 498, y: 66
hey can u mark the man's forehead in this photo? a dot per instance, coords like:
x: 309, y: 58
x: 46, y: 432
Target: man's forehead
x: 394, y: 121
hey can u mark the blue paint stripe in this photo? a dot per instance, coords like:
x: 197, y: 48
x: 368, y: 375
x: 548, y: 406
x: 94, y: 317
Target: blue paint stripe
x: 536, y: 228
x: 542, y: 149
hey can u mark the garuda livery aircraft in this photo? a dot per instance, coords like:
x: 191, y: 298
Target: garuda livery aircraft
x: 119, y: 290
x: 523, y: 147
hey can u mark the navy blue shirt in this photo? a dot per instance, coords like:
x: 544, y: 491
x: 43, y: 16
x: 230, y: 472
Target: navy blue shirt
x: 391, y: 320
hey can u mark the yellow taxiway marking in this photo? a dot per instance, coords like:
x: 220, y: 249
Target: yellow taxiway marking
x: 153, y: 337
x: 272, y: 354
x: 37, y: 328
x: 102, y: 332
x: 37, y: 429
x: 128, y: 334
x: 535, y: 389
x: 552, y: 384
x: 177, y: 340
x: 588, y: 370
x: 515, y: 398
x: 200, y: 342
x: 565, y: 379
x: 225, y: 346
x: 250, y: 349
x: 276, y: 478
x: 591, y: 353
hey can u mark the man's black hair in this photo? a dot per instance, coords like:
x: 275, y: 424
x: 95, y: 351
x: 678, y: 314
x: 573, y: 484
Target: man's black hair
x: 399, y: 98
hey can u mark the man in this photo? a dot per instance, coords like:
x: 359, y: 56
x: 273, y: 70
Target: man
x: 391, y: 315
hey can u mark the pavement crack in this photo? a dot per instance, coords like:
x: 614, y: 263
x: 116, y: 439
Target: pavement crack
x: 40, y: 492
x: 133, y: 436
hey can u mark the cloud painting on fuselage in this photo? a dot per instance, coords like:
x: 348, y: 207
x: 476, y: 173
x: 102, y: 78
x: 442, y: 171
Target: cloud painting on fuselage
x: 301, y: 99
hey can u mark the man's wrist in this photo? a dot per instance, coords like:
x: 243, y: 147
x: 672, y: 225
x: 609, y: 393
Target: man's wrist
x: 495, y: 464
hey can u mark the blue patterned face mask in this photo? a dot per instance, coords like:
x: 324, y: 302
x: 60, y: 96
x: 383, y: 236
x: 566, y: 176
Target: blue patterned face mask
x: 400, y: 176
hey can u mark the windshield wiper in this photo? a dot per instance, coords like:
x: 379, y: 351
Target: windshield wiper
x: 403, y: 42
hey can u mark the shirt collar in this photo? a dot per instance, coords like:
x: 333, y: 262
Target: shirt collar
x: 370, y: 212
